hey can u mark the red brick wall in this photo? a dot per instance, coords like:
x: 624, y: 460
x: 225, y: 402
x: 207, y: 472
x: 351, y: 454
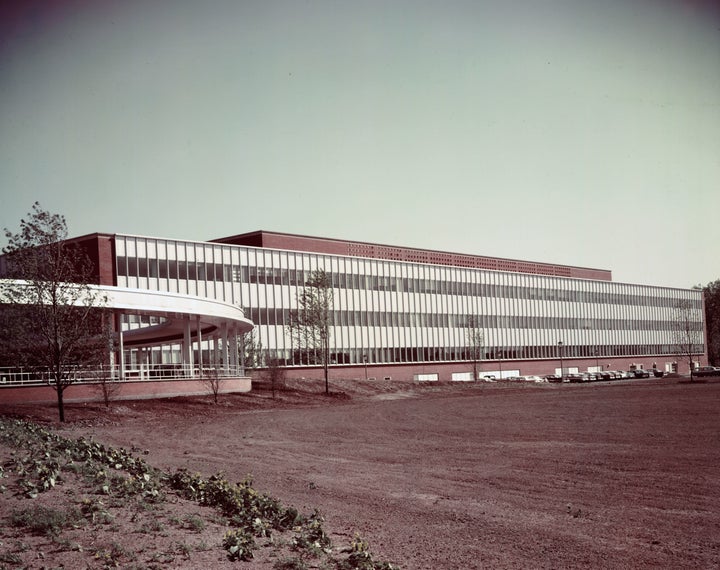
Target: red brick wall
x: 145, y: 390
x: 376, y: 251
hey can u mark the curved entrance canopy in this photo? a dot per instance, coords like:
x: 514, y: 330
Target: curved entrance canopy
x: 176, y: 311
x: 197, y: 324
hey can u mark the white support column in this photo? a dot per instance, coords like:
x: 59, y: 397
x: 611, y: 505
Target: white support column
x: 143, y: 361
x: 121, y: 345
x: 215, y: 351
x: 234, y: 349
x: 199, y: 344
x: 225, y: 355
x: 187, y: 350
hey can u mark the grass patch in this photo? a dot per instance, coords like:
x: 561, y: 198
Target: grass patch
x: 45, y: 521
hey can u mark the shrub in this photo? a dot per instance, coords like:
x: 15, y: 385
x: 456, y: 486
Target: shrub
x: 239, y: 544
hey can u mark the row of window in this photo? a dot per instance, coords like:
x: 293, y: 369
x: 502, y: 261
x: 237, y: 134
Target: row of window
x: 202, y: 271
x: 463, y: 353
x: 281, y: 317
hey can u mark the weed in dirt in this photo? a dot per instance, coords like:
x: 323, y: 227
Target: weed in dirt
x: 202, y: 546
x: 290, y: 564
x: 195, y: 523
x: 10, y: 558
x: 112, y: 554
x: 359, y: 558
x: 44, y: 520
x: 95, y: 511
x: 183, y: 549
x: 151, y: 527
x: 70, y: 545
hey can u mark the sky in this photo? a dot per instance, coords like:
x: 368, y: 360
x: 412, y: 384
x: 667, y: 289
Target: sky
x: 578, y: 132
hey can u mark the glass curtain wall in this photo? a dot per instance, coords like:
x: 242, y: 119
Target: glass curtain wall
x: 391, y: 311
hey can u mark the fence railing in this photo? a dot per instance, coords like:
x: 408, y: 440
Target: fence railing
x: 19, y: 376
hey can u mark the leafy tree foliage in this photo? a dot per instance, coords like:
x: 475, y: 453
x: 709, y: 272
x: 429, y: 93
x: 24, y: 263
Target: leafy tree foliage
x: 52, y: 320
x: 712, y: 320
x: 311, y: 323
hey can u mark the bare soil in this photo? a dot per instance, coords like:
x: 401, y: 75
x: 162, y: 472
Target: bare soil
x: 609, y: 475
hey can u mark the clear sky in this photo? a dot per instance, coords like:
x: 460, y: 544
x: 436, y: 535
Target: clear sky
x: 581, y: 132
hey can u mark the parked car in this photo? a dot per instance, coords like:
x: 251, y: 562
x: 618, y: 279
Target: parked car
x: 657, y: 373
x: 573, y: 378
x: 533, y: 378
x: 639, y: 373
x: 552, y: 378
x: 707, y: 371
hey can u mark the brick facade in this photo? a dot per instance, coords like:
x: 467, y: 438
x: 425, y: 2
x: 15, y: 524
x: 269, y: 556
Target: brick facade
x: 274, y: 240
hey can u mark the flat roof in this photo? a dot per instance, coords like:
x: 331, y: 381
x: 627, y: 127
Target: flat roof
x: 332, y: 246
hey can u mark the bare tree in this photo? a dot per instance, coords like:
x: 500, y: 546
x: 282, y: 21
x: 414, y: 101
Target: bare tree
x: 108, y: 387
x: 212, y: 380
x: 275, y: 374
x: 53, y: 318
x: 250, y: 349
x: 475, y: 340
x: 311, y: 324
x: 687, y: 334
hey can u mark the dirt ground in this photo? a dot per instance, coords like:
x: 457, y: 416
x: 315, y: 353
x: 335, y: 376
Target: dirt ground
x: 621, y: 474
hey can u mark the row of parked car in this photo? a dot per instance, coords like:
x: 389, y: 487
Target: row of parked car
x: 613, y: 375
x: 707, y: 371
x: 585, y: 376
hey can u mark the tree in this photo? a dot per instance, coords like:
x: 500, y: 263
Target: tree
x: 275, y: 374
x: 687, y: 333
x: 212, y: 380
x: 475, y: 340
x: 250, y: 349
x: 53, y: 320
x: 712, y: 321
x: 311, y: 324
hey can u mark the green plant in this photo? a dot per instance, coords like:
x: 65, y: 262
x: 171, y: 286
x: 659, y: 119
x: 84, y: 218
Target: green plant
x: 112, y: 554
x: 151, y: 527
x: 44, y: 520
x: 194, y: 523
x: 10, y: 558
x: 311, y: 536
x: 94, y: 509
x: 290, y: 564
x: 202, y: 546
x: 239, y: 544
x: 359, y: 558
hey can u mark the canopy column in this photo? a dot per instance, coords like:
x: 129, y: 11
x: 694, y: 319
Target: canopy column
x: 225, y: 351
x: 187, y: 349
x: 119, y: 315
x: 199, y: 345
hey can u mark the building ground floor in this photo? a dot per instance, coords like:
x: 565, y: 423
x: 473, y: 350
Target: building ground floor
x: 500, y: 369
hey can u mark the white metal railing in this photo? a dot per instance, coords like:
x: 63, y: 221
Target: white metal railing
x: 19, y: 376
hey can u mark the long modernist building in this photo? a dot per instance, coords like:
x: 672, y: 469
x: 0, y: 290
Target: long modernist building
x: 403, y: 313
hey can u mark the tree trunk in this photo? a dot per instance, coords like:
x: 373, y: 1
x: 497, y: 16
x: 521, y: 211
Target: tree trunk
x: 61, y: 408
